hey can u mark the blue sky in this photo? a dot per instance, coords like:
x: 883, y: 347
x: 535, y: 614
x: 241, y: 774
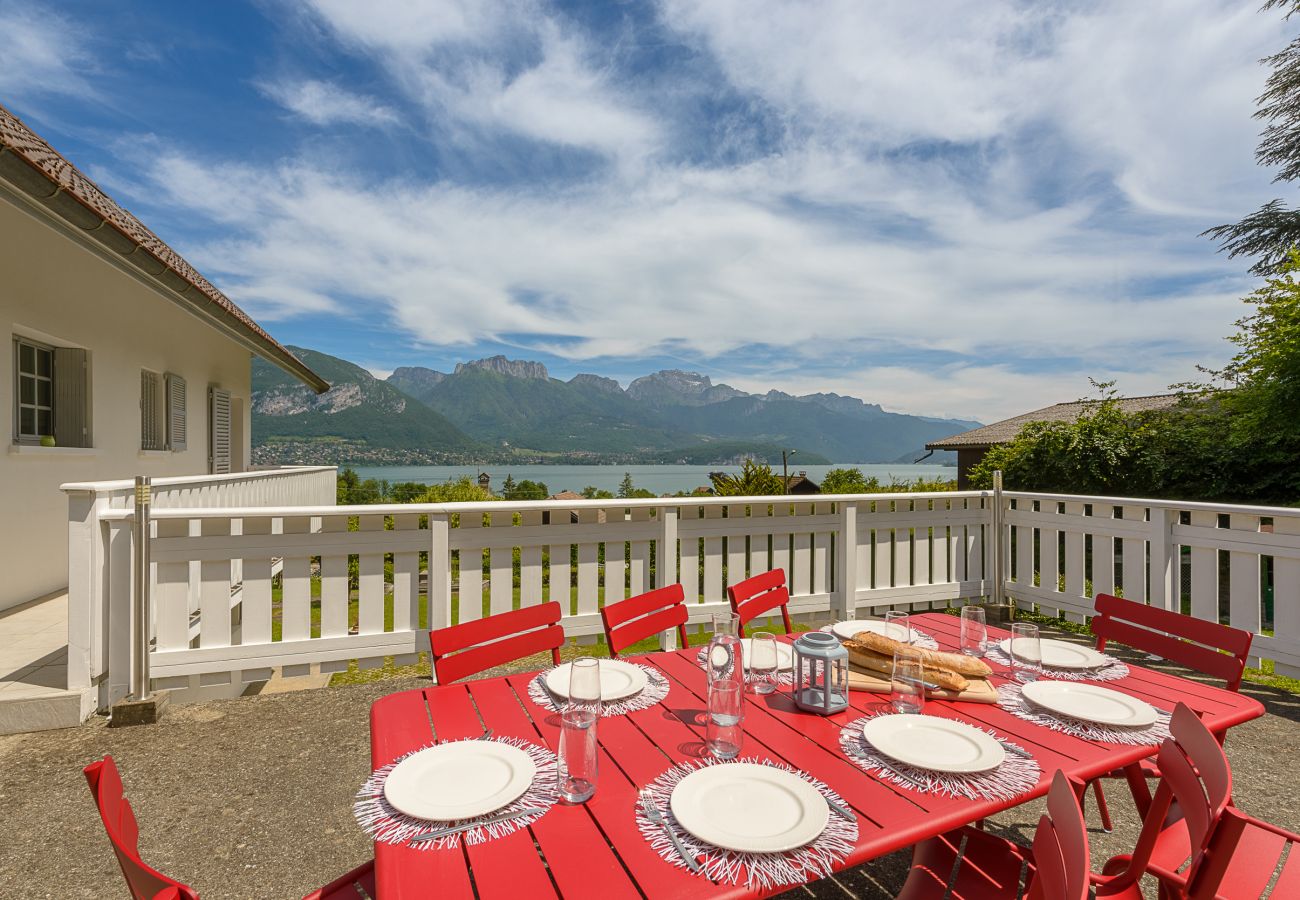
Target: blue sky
x: 947, y: 208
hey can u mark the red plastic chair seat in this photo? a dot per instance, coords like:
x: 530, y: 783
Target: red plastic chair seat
x: 1242, y: 857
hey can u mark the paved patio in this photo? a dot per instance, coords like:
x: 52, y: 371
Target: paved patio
x: 251, y: 797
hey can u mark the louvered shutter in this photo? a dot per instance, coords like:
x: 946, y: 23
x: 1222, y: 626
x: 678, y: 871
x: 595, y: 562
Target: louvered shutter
x: 150, y: 427
x: 218, y: 431
x: 71, y: 422
x: 176, y: 423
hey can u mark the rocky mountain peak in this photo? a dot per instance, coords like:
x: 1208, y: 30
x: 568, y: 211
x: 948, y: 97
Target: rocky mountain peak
x: 599, y: 382
x: 678, y: 386
x: 515, y: 368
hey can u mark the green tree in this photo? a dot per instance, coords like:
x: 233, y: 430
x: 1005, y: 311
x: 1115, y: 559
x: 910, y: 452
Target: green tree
x: 529, y: 490
x: 508, y: 487
x: 592, y: 492
x: 848, y: 481
x: 462, y: 490
x: 754, y: 480
x: 625, y: 487
x: 1269, y: 233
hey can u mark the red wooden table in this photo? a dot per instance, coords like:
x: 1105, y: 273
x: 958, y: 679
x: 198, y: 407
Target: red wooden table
x: 595, y: 849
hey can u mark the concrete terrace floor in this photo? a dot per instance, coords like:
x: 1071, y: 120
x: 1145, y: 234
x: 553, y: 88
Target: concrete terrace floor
x: 251, y: 798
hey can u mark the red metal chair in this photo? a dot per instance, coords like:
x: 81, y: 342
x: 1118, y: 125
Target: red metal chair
x: 460, y: 651
x: 637, y: 618
x: 1219, y: 651
x: 145, y: 882
x: 1193, y: 840
x: 970, y: 863
x: 758, y: 596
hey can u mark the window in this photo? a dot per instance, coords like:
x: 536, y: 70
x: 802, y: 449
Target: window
x: 35, y: 391
x: 50, y: 394
x: 152, y: 434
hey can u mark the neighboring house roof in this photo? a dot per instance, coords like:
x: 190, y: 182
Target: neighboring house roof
x: 565, y: 495
x: 802, y: 484
x: 31, y: 167
x: 1004, y: 431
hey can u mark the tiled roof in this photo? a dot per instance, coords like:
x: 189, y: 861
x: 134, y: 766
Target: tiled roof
x: 50, y: 178
x: 1004, y: 431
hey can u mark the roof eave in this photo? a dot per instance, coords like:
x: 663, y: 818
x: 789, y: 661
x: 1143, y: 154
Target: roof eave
x: 76, y: 218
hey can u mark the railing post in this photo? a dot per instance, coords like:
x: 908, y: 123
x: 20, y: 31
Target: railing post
x: 140, y: 591
x: 846, y: 569
x: 666, y: 565
x: 1160, y: 589
x: 439, y: 587
x: 999, y: 542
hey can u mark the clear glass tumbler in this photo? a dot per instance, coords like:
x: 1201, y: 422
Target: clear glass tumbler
x: 726, y: 660
x: 762, y: 663
x: 898, y: 625
x: 974, y: 631
x: 907, y: 686
x: 577, y: 756
x: 724, y: 732
x: 1026, y: 652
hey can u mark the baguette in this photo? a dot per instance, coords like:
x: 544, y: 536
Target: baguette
x: 866, y: 658
x: 960, y: 663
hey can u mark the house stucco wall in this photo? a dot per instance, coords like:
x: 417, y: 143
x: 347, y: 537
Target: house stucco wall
x: 54, y: 290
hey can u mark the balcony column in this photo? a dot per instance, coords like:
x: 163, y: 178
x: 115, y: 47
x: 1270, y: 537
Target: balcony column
x: 845, y: 598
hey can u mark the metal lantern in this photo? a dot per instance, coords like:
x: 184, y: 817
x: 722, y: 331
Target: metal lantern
x: 821, y: 673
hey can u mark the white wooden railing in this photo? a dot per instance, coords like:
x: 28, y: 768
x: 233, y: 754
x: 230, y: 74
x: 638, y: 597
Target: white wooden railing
x: 99, y: 555
x: 239, y: 592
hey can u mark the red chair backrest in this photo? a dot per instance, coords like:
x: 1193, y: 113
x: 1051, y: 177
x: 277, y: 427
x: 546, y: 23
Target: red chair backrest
x: 637, y: 618
x: 1219, y: 650
x: 758, y: 596
x: 1061, y: 855
x: 467, y: 649
x: 144, y: 882
x: 1195, y: 787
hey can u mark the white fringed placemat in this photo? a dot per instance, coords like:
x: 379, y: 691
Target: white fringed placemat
x: 1013, y: 777
x: 1114, y: 670
x: 782, y: 677
x: 1013, y: 701
x: 762, y: 870
x: 655, y: 691
x: 386, y: 825
x: 924, y: 641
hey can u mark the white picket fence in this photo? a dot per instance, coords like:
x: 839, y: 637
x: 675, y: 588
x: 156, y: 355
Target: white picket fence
x: 238, y: 592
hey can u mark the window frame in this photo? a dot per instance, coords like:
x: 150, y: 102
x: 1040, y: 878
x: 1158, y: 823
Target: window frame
x: 38, y: 347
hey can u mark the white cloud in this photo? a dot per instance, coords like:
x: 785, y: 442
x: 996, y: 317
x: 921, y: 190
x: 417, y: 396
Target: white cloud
x: 322, y: 103
x: 42, y: 53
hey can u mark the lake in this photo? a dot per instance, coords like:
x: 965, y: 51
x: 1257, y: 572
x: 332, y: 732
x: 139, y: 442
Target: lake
x: 659, y: 479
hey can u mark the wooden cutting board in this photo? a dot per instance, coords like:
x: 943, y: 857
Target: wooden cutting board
x: 980, y: 691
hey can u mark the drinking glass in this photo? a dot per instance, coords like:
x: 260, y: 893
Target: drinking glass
x: 899, y: 625
x: 1026, y: 651
x: 723, y: 733
x: 577, y: 756
x: 725, y: 658
x: 907, y: 689
x: 763, y: 661
x: 974, y: 631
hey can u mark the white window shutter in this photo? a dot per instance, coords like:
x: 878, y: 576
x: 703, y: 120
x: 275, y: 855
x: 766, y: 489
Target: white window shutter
x: 176, y: 421
x: 218, y: 431
x: 71, y: 422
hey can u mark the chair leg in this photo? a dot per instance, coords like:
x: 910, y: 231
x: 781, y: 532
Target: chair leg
x: 1138, y: 787
x: 1102, y: 809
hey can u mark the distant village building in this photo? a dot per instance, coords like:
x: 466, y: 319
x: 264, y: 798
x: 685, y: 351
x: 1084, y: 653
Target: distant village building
x: 485, y: 481
x: 971, y: 446
x: 566, y: 495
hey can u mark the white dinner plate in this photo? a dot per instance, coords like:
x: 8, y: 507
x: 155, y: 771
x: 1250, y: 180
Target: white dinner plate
x: 459, y: 781
x: 618, y: 680
x: 1091, y: 703
x: 1064, y: 655
x: 928, y: 742
x: 846, y: 630
x: 784, y: 655
x: 749, y: 808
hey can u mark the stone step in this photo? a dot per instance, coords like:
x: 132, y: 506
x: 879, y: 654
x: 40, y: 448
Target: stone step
x: 45, y: 711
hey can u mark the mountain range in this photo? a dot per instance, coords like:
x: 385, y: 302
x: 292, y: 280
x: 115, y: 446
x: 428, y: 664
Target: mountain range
x: 501, y: 409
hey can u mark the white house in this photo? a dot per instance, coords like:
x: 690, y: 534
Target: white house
x: 117, y: 358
